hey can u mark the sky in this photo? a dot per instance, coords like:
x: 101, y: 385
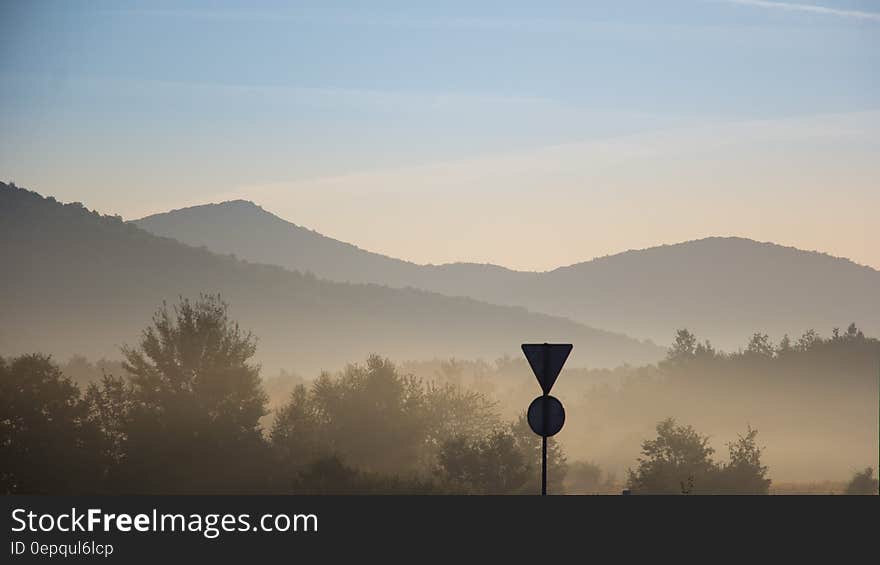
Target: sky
x: 525, y: 134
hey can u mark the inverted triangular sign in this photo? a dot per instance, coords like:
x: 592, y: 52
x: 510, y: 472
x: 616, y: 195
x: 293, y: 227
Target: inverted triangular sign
x: 546, y: 360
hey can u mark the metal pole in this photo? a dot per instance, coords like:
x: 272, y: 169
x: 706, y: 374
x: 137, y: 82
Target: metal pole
x: 544, y: 464
x: 544, y: 418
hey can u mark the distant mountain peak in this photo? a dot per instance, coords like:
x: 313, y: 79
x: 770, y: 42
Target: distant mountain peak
x: 722, y: 287
x: 722, y: 246
x: 78, y: 282
x: 239, y: 202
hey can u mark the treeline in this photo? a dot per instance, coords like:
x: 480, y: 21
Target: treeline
x: 186, y: 417
x: 845, y: 358
x: 187, y: 412
x: 850, y: 356
x: 814, y: 398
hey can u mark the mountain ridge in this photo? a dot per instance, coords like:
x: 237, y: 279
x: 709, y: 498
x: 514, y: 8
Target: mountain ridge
x: 80, y: 282
x: 723, y: 287
x: 244, y: 203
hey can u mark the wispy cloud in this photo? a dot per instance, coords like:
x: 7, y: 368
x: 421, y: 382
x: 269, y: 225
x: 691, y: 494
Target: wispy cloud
x: 492, y: 24
x: 811, y: 8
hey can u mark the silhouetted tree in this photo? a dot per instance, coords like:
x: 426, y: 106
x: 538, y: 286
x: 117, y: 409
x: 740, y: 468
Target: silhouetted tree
x: 376, y: 419
x: 679, y: 460
x: 863, y: 483
x: 296, y: 436
x: 185, y: 417
x: 198, y: 360
x: 193, y: 423
x: 453, y: 411
x: 677, y: 456
x: 505, y: 461
x: 684, y: 347
x: 760, y: 346
x: 47, y: 443
x: 784, y: 347
x: 808, y: 340
x: 744, y: 473
x: 853, y: 333
x: 110, y: 403
x: 370, y: 415
x: 494, y: 464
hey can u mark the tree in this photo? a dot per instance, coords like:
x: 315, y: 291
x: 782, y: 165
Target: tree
x: 296, y: 436
x: 47, y: 444
x: 376, y: 419
x: 684, y: 347
x: 195, y: 403
x: 110, y: 404
x: 678, y: 457
x: 853, y: 333
x: 744, y: 473
x: 452, y: 411
x: 808, y: 340
x: 679, y: 460
x: 784, y: 347
x: 198, y: 360
x: 494, y: 464
x: 863, y: 483
x: 372, y: 416
x: 760, y: 346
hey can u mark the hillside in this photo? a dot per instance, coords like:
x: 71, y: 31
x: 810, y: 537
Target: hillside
x: 78, y: 282
x: 723, y: 288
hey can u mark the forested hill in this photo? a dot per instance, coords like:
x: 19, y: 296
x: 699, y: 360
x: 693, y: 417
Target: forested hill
x: 725, y: 288
x: 78, y: 282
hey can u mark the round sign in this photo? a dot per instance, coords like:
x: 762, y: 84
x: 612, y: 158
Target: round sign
x: 546, y: 416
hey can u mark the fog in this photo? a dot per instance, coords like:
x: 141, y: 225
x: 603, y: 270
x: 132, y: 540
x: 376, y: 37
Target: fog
x: 145, y: 364
x: 813, y: 402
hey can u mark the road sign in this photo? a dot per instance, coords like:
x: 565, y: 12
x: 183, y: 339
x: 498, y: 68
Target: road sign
x: 546, y: 416
x: 546, y: 360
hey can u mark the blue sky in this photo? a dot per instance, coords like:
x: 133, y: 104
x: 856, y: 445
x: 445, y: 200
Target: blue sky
x: 645, y: 119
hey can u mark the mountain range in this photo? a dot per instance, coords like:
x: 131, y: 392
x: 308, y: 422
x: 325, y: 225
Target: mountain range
x: 76, y: 281
x: 722, y: 288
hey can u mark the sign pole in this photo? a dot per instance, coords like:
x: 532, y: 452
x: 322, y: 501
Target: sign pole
x: 544, y: 437
x: 546, y: 414
x: 544, y: 466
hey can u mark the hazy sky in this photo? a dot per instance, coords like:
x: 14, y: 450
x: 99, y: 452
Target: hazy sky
x: 528, y: 134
